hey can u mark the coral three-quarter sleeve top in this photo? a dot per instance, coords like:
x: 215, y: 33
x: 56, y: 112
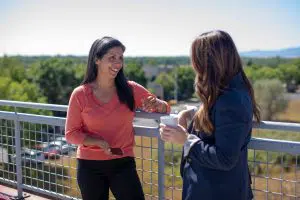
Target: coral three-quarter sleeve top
x: 111, y: 121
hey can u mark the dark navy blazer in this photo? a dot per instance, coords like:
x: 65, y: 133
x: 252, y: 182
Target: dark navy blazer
x: 215, y: 167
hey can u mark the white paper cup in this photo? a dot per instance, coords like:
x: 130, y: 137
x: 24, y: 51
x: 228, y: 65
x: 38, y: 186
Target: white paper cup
x: 171, y: 120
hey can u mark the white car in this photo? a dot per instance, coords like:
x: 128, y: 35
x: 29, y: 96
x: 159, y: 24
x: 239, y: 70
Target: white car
x: 64, y: 141
x: 61, y: 138
x: 30, y: 156
x: 63, y: 147
x: 60, y: 143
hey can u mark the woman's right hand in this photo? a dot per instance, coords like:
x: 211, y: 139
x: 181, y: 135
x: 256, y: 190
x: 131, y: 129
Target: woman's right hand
x: 97, y: 141
x: 105, y: 146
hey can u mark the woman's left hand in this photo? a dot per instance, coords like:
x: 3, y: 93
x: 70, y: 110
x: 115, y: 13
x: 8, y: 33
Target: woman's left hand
x: 177, y: 135
x: 152, y: 104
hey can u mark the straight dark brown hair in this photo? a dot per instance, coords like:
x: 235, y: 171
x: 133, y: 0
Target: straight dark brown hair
x: 216, y: 61
x: 99, y: 48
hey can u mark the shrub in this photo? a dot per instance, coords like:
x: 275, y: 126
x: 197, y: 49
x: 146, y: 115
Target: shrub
x: 269, y: 95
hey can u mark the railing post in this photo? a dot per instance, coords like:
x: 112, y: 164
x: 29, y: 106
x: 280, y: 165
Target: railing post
x: 161, y: 169
x: 18, y: 155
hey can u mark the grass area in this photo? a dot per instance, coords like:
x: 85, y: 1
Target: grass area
x: 278, y: 135
x: 289, y: 187
x: 292, y: 113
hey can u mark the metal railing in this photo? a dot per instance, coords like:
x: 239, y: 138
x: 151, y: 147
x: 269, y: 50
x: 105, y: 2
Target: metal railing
x: 274, y: 164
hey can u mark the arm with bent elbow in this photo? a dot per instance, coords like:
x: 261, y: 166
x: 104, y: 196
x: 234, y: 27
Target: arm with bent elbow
x: 74, y: 123
x: 231, y: 131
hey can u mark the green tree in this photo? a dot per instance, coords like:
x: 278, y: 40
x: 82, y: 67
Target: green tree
x: 21, y: 91
x: 269, y: 95
x: 249, y: 62
x: 14, y: 84
x: 256, y: 72
x: 13, y: 68
x: 268, y: 73
x: 289, y: 74
x: 251, y: 72
x: 185, y: 81
x: 167, y: 82
x: 57, y: 78
x: 134, y: 72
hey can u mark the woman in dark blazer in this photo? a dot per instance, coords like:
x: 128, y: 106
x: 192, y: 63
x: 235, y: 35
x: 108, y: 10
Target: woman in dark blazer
x: 214, y: 162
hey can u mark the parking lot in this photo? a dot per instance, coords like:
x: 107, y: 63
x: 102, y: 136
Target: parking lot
x: 41, y: 151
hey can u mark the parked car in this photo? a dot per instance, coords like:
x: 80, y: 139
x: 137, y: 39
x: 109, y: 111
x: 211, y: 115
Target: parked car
x: 41, y: 146
x: 64, y: 147
x: 61, y: 138
x: 64, y: 141
x: 291, y: 87
x: 30, y: 156
x: 58, y: 146
x: 52, y: 151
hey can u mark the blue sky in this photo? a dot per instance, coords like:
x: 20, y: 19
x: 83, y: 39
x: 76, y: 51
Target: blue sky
x: 147, y: 28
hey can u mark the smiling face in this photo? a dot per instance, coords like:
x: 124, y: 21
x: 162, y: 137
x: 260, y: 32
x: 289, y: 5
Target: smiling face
x: 111, y: 63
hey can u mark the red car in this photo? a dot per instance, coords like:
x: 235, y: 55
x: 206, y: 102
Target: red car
x: 51, y: 151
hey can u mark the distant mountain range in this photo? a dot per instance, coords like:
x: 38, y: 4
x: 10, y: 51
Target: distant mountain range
x: 285, y: 53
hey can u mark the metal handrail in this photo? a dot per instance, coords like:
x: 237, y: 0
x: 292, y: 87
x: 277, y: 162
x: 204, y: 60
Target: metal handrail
x: 255, y: 143
x: 64, y: 108
x: 270, y: 125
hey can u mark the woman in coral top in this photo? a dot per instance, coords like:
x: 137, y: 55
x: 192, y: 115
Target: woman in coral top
x: 99, y: 121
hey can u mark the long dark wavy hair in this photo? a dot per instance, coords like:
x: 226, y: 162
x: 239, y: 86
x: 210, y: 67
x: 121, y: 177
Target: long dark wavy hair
x: 99, y: 48
x: 216, y: 61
